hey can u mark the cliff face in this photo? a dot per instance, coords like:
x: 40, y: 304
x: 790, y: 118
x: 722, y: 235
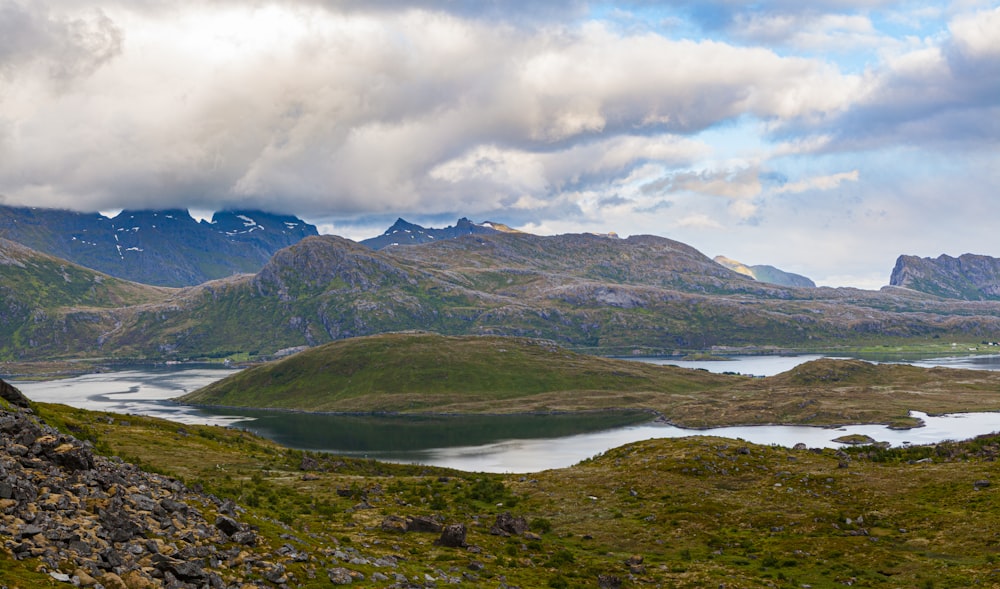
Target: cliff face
x: 968, y: 277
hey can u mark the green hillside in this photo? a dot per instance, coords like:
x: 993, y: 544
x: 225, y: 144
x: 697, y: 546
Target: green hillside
x: 50, y: 307
x: 407, y: 372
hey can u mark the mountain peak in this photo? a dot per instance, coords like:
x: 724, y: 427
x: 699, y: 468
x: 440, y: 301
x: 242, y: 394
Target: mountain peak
x: 402, y: 225
x: 403, y: 232
x: 153, y: 216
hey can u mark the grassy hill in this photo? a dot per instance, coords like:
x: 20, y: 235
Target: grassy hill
x: 405, y: 372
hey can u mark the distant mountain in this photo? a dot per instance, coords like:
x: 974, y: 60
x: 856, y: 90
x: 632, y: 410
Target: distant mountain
x: 968, y: 277
x: 765, y: 273
x: 640, y: 295
x: 164, y: 248
x: 403, y: 232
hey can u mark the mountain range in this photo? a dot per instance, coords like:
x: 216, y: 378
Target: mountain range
x: 600, y: 294
x: 162, y: 248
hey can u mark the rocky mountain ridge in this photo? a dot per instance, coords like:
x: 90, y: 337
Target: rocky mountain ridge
x: 156, y: 247
x: 969, y: 277
x: 403, y: 232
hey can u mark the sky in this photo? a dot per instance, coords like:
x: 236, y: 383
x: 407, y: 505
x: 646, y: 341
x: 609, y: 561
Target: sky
x: 825, y: 137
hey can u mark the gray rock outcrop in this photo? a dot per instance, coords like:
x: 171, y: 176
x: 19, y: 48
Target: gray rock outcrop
x: 110, y: 522
x: 968, y: 277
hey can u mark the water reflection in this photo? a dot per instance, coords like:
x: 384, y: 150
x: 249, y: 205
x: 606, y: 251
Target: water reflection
x: 401, y: 436
x: 138, y: 391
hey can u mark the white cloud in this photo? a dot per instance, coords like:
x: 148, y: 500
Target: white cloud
x: 60, y: 47
x: 352, y: 112
x: 942, y: 94
x: 697, y: 221
x: 977, y: 35
x: 837, y: 33
x: 819, y: 182
x: 339, y: 113
x: 732, y: 183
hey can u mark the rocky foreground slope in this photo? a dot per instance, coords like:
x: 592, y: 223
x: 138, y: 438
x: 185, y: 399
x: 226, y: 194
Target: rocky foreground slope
x: 94, y: 521
x: 89, y: 519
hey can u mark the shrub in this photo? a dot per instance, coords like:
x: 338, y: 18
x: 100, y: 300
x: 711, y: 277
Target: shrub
x: 540, y: 525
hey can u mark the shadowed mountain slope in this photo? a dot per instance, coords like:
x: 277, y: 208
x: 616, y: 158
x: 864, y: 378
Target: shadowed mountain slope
x: 159, y: 247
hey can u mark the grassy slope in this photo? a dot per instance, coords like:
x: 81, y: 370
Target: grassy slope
x: 433, y: 373
x: 53, y: 283
x: 52, y: 308
x: 700, y: 511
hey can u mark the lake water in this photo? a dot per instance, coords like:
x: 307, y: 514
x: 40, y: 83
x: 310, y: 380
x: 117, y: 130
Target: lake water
x: 521, y: 443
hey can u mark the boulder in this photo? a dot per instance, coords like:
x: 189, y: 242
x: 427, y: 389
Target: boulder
x: 227, y: 525
x: 509, y: 525
x: 452, y: 536
x: 394, y: 523
x: 423, y: 523
x: 72, y: 457
x: 113, y: 581
x: 190, y: 570
x: 341, y: 576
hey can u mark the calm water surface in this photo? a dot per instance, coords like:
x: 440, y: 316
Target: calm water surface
x: 482, y: 443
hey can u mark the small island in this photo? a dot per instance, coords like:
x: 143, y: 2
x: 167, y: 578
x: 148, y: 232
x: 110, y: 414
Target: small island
x: 855, y: 440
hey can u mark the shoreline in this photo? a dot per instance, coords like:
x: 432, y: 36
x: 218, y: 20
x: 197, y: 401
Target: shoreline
x: 657, y: 416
